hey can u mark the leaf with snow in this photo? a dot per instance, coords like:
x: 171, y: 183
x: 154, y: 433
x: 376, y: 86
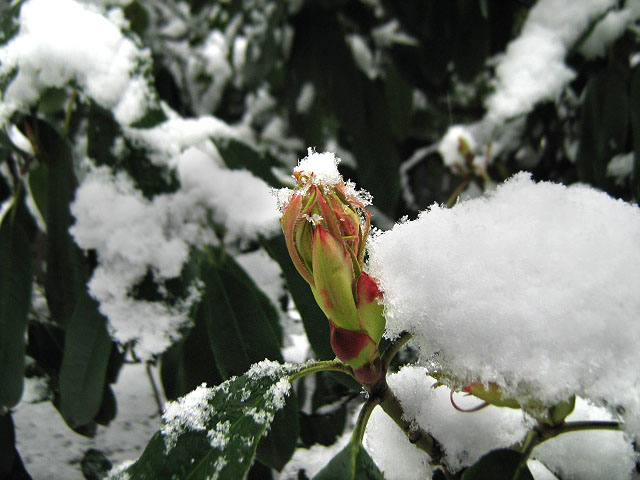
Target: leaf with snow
x: 214, y: 432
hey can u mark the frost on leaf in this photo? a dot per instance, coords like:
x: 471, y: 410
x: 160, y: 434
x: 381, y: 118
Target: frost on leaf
x: 218, y: 427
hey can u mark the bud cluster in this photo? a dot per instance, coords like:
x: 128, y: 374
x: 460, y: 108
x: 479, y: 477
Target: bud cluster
x: 326, y: 226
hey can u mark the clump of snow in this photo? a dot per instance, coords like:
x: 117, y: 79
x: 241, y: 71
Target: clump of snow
x: 449, y: 147
x: 533, y: 67
x: 61, y: 41
x: 265, y: 272
x: 611, y: 27
x: 323, y: 167
x: 393, y: 453
x: 305, y: 98
x: 620, y: 167
x: 464, y: 436
x: 588, y: 455
x: 133, y: 235
x: 533, y: 287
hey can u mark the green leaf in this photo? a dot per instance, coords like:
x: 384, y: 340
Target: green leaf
x: 314, y: 321
x: 214, y: 432
x: 238, y: 155
x: 38, y: 184
x: 502, y: 464
x: 15, y: 299
x: 604, y: 123
x: 87, y: 347
x: 65, y: 276
x: 9, y: 24
x: 472, y: 40
x: 399, y: 95
x: 153, y: 117
x: 352, y: 463
x: 634, y: 102
x: 241, y: 333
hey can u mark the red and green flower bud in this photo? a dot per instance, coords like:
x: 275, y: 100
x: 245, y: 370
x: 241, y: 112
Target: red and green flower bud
x: 325, y: 228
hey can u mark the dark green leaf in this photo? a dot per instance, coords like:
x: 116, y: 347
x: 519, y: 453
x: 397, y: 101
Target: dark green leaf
x: 95, y: 465
x: 218, y: 433
x: 65, y: 277
x: 352, y: 463
x: 500, y: 464
x: 277, y: 447
x: 238, y: 155
x: 11, y: 466
x: 634, y: 102
x: 38, y: 184
x: 604, y: 124
x: 472, y: 38
x: 15, y: 300
x: 189, y: 363
x: 137, y: 16
x: 399, y: 95
x: 108, y: 408
x: 87, y: 348
x: 9, y: 24
x: 153, y: 117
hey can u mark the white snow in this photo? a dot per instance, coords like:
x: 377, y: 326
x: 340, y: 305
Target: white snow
x: 464, y: 436
x: 305, y: 98
x: 61, y: 41
x: 323, y: 166
x: 393, y: 453
x: 533, y: 287
x: 449, y: 146
x: 533, y: 67
x: 620, y: 167
x: 588, y: 455
x: 190, y: 413
x: 132, y: 235
x: 611, y: 27
x: 313, y: 459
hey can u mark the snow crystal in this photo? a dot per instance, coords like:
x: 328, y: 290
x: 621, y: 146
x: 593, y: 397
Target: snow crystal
x: 63, y: 40
x: 393, y: 453
x: 533, y: 67
x: 188, y: 413
x: 323, y: 166
x: 219, y: 436
x: 533, y: 287
x: 588, y: 455
x: 449, y: 147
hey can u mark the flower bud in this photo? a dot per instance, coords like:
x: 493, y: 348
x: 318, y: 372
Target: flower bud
x: 326, y: 226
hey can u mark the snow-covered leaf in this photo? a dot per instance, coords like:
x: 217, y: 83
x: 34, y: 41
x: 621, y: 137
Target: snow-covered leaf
x: 214, y: 432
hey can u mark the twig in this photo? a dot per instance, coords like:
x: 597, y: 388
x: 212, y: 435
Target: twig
x: 156, y: 393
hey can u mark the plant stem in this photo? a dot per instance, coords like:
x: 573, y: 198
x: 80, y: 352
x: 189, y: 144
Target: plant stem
x: 363, y: 418
x: 322, y: 366
x: 547, y: 432
x: 393, y: 349
x: 154, y: 387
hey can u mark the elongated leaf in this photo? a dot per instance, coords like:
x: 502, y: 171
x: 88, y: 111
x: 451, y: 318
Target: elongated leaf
x: 604, y: 124
x: 237, y: 155
x: 11, y: 466
x: 84, y: 363
x: 65, y: 278
x: 214, y: 432
x: 15, y: 299
x: 241, y: 333
x: 87, y: 344
x: 352, y: 463
x: 502, y: 464
x: 634, y: 102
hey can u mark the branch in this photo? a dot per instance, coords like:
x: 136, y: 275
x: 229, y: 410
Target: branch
x: 393, y: 349
x: 322, y: 366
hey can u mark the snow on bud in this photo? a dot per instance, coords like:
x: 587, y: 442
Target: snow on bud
x: 326, y: 225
